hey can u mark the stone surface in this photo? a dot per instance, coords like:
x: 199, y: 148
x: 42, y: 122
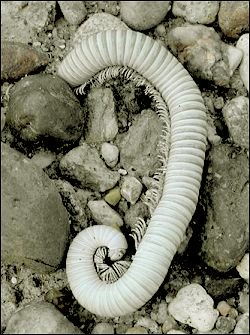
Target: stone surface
x: 194, y: 307
x: 131, y: 189
x: 233, y: 17
x: 242, y: 326
x: 142, y: 15
x: 113, y: 196
x: 43, y: 158
x: 8, y: 302
x: 243, y: 306
x: 225, y: 324
x: 102, y: 213
x: 34, y: 222
x: 168, y: 324
x: 203, y: 12
x: 225, y: 237
x: 224, y: 308
x: 102, y: 123
x: 234, y: 56
x: 110, y: 153
x: 135, y: 211
x: 103, y: 328
x: 150, y: 324
x: 243, y: 44
x: 202, y: 52
x: 220, y: 288
x: 73, y: 11
x: 40, y: 318
x: 19, y: 59
x: 43, y: 106
x: 138, y: 147
x: 243, y: 267
x: 236, y: 115
x: 84, y: 166
x: 136, y: 330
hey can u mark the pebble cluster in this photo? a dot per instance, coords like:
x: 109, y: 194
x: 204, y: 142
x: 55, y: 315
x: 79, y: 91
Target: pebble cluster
x: 68, y: 163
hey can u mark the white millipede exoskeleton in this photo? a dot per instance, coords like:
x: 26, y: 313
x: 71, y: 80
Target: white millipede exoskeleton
x: 182, y: 177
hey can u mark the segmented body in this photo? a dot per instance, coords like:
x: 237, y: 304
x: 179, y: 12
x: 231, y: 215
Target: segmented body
x: 182, y: 178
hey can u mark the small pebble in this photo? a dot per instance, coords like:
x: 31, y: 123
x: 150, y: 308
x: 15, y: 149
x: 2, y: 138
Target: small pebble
x: 168, y: 324
x: 150, y: 324
x: 123, y: 172
x: 242, y: 326
x: 14, y: 280
x: 243, y: 267
x: 113, y: 196
x: 243, y: 302
x: 131, y: 189
x: 225, y: 324
x: 137, y: 330
x: 234, y: 56
x: 243, y: 44
x: 219, y: 103
x: 110, y: 154
x: 43, y: 158
x: 73, y: 11
x: 233, y: 313
x: 102, y: 213
x: 103, y: 328
x: 224, y: 308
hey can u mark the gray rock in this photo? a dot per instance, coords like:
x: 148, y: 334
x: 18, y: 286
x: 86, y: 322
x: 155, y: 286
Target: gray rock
x: 44, y: 106
x: 243, y: 267
x: 138, y: 147
x: 103, y: 328
x: 203, y: 12
x: 40, y: 318
x: 110, y: 153
x: 236, y: 115
x: 73, y: 11
x: 243, y: 45
x: 34, y: 222
x: 243, y: 302
x: 43, y: 158
x: 8, y: 302
x: 225, y: 237
x: 131, y: 189
x: 225, y: 324
x: 23, y: 20
x: 242, y: 326
x: 102, y: 123
x: 102, y: 213
x: 221, y: 288
x: 142, y: 15
x: 135, y: 211
x: 233, y: 17
x: 84, y: 165
x: 202, y: 51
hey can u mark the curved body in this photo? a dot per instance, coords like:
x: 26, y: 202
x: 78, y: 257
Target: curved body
x: 182, y: 178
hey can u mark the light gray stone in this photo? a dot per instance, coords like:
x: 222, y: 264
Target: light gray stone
x: 103, y: 328
x: 40, y: 318
x: 150, y: 324
x: 102, y: 213
x: 73, y: 11
x: 243, y: 44
x: 43, y: 158
x: 243, y: 267
x: 203, y: 12
x: 131, y: 189
x: 242, y: 326
x: 234, y: 56
x: 110, y: 153
x: 225, y: 324
x: 84, y: 165
x: 243, y: 302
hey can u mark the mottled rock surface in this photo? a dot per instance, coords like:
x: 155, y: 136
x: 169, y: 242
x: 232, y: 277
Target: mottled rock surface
x: 73, y: 11
x: 102, y: 213
x: 243, y: 44
x: 34, y: 221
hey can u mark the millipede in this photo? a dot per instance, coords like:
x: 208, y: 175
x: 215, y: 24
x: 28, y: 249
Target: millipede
x: 135, y: 282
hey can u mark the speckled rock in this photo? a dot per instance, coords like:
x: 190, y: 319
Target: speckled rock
x: 73, y: 11
x: 243, y: 44
x: 243, y: 267
x: 103, y: 328
x: 40, y: 318
x: 226, y: 228
x: 220, y: 288
x: 225, y: 324
x: 142, y: 15
x: 43, y: 106
x: 138, y: 147
x: 150, y: 324
x: 242, y: 326
x: 131, y: 189
x: 21, y: 21
x: 162, y: 314
x: 168, y: 324
x: 243, y: 306
x: 84, y: 166
x: 19, y: 59
x: 96, y: 23
x: 233, y: 17
x: 102, y: 213
x: 110, y: 153
x: 102, y: 123
x: 236, y: 115
x: 34, y: 221
x: 113, y: 196
x: 203, y: 12
x: 194, y: 307
x: 202, y: 51
x: 136, y: 330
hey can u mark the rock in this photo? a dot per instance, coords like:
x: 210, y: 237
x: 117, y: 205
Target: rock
x: 19, y: 59
x: 233, y: 17
x: 102, y: 123
x: 43, y: 106
x: 135, y: 211
x: 225, y: 236
x: 84, y: 165
x: 138, y: 147
x: 203, y: 12
x: 243, y: 44
x: 242, y: 326
x: 243, y: 302
x: 234, y: 56
x: 113, y: 196
x: 143, y: 15
x: 168, y: 324
x: 8, y: 302
x: 96, y: 23
x: 224, y: 308
x: 221, y: 288
x: 236, y: 115
x: 103, y: 328
x: 34, y: 222
x: 131, y: 189
x: 162, y: 314
x: 146, y: 322
x: 225, y: 324
x: 137, y: 330
x: 202, y: 52
x: 40, y: 318
x: 43, y: 158
x: 194, y: 307
x: 243, y: 267
x: 110, y: 154
x: 73, y: 11
x: 175, y: 331
x: 23, y: 20
x: 102, y: 213
x: 3, y: 117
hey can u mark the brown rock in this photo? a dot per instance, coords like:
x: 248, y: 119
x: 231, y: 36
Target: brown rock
x: 19, y: 59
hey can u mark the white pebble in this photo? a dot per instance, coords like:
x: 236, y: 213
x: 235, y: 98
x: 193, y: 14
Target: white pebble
x: 150, y: 324
x: 234, y: 56
x: 123, y: 172
x: 131, y: 189
x: 194, y: 307
x: 110, y: 154
x: 136, y: 330
x: 242, y: 326
x: 103, y: 328
x: 243, y: 267
x: 243, y: 44
x: 243, y: 302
